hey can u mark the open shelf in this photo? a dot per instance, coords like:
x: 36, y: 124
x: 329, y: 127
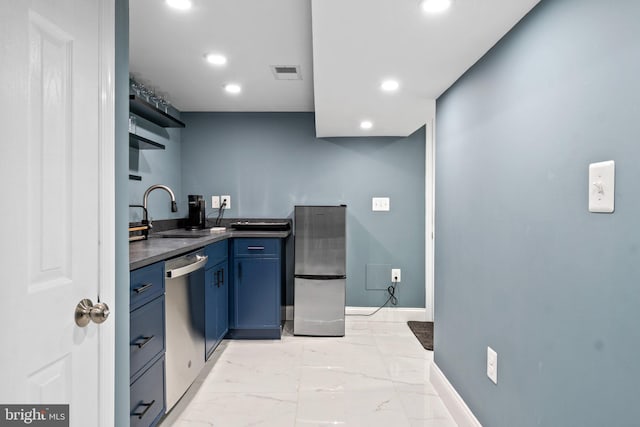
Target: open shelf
x: 142, y: 143
x: 145, y: 110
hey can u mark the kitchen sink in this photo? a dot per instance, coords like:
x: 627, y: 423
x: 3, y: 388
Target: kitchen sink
x: 194, y: 234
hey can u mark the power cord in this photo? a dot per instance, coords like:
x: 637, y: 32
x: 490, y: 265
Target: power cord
x: 220, y: 213
x: 392, y: 297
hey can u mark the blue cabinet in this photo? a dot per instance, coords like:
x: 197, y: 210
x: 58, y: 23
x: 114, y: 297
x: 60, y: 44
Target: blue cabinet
x: 145, y: 284
x: 216, y: 296
x: 216, y: 253
x: 147, y: 345
x: 257, y: 288
x: 146, y: 398
x: 146, y: 333
x: 222, y: 302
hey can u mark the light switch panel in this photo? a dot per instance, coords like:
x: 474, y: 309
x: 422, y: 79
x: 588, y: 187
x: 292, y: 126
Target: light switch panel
x: 492, y: 365
x: 602, y: 186
x: 380, y: 204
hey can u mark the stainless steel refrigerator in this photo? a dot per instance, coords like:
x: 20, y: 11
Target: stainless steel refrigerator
x: 320, y: 270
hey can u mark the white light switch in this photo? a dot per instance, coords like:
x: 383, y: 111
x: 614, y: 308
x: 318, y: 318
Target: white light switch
x: 602, y: 186
x: 380, y: 204
x: 492, y: 365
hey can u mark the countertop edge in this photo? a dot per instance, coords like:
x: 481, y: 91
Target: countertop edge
x: 155, y: 249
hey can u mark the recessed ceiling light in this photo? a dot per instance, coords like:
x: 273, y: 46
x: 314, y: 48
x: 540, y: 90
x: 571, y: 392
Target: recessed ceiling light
x: 216, y: 59
x: 389, y: 85
x: 233, y: 88
x: 366, y: 124
x: 179, y: 4
x: 435, y: 6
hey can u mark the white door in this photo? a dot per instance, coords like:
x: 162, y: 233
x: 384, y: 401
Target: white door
x: 56, y: 162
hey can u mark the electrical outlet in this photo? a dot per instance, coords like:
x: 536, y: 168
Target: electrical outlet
x: 395, y: 275
x: 215, y: 202
x: 492, y: 365
x: 226, y: 199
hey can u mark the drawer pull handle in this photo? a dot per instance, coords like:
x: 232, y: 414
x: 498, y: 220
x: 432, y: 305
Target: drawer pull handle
x: 148, y: 406
x: 255, y: 248
x: 143, y: 288
x: 145, y: 341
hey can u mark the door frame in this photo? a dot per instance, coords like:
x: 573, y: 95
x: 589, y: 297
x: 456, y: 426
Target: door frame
x: 430, y: 199
x: 106, y: 207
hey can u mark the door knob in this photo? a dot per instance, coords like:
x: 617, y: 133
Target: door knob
x: 86, y: 312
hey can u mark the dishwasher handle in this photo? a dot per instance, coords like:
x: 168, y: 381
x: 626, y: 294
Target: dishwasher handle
x: 201, y: 260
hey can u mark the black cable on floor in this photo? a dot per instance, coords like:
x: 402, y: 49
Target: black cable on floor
x: 392, y: 297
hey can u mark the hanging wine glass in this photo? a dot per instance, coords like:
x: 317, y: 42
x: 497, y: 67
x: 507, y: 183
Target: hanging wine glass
x: 145, y: 91
x: 155, y: 99
x: 132, y: 124
x: 164, y: 104
x: 134, y: 86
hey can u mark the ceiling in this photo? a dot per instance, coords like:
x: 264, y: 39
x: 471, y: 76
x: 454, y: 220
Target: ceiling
x: 343, y: 48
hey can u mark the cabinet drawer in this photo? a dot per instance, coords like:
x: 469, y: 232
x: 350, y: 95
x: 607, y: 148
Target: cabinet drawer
x: 147, y: 396
x: 216, y: 252
x: 146, y: 284
x: 146, y: 331
x: 257, y: 247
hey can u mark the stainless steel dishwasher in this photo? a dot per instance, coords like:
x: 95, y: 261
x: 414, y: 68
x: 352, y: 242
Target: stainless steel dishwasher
x: 184, y: 322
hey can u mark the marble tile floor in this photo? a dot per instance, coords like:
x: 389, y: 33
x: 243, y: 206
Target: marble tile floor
x: 377, y: 375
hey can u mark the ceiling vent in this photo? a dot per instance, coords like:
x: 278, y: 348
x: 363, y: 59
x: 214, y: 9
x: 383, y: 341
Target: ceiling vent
x: 286, y: 72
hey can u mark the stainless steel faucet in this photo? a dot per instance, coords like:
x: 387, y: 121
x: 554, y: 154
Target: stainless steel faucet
x: 174, y: 206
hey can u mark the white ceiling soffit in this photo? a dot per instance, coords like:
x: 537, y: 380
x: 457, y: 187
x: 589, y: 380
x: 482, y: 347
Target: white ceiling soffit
x: 359, y: 43
x: 167, y: 49
x: 356, y: 44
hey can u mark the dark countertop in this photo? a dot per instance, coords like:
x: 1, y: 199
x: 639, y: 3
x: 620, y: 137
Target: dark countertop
x: 158, y: 248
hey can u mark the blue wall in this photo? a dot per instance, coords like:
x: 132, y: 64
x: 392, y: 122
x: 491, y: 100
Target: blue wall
x: 521, y: 265
x: 157, y: 167
x: 269, y: 162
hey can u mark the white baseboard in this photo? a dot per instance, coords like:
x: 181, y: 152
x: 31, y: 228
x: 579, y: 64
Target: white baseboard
x: 387, y: 314
x: 459, y: 410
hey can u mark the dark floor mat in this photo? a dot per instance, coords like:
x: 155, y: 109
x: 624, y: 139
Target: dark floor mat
x: 424, y: 332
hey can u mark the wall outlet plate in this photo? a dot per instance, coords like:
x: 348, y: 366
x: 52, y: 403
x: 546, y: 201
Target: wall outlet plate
x: 215, y: 202
x: 492, y: 365
x: 227, y: 199
x: 395, y: 275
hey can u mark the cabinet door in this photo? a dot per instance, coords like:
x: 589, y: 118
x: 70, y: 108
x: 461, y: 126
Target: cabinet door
x: 257, y: 292
x: 217, y: 253
x: 210, y: 310
x: 216, y: 306
x: 223, y: 301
